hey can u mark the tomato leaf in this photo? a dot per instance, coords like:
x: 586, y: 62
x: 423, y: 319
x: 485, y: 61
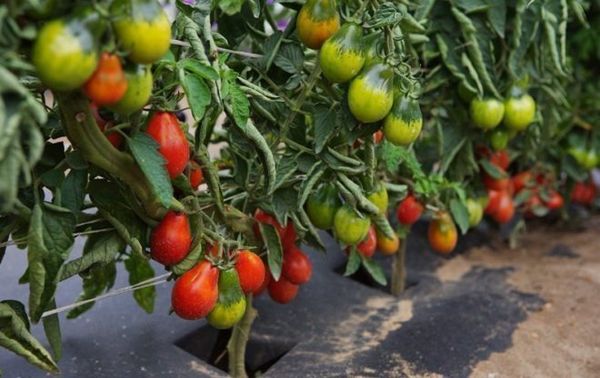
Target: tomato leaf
x: 325, y: 125
x: 15, y: 336
x: 460, y: 213
x: 274, y: 250
x: 353, y: 262
x: 237, y: 99
x: 139, y: 269
x: 52, y: 329
x: 190, y: 260
x: 231, y: 7
x: 197, y: 93
x: 497, y: 16
x: 492, y: 169
x: 198, y: 68
x: 145, y: 151
x: 375, y: 270
x: 73, y: 190
x: 290, y: 58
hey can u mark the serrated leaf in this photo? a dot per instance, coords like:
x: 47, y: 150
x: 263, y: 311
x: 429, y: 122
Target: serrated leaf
x: 353, y: 262
x: 374, y: 270
x: 145, y: 151
x: 197, y: 93
x: 460, y: 213
x: 290, y: 58
x: 325, y: 125
x: 274, y: 250
x: 140, y: 270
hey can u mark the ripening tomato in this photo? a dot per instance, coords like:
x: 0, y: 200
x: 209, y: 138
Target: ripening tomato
x: 251, y: 271
x: 493, y: 201
x: 349, y: 226
x: 317, y: 21
x: 555, y: 200
x: 387, y: 246
x: 341, y: 56
x: 195, y: 293
x: 500, y: 159
x: 442, y: 233
x: 499, y: 139
x: 486, y: 113
x: 196, y: 177
x: 164, y: 128
x: 377, y: 136
x: 296, y: 266
x: 65, y: 51
x: 108, y: 84
x: 114, y: 138
x: 496, y: 184
x: 403, y: 124
x: 368, y: 245
x: 583, y: 193
x: 371, y: 94
x: 519, y: 112
x: 409, y: 210
x: 231, y: 304
x: 475, y: 210
x: 505, y: 208
x: 379, y: 197
x: 522, y: 180
x: 171, y: 239
x: 282, y: 291
x: 142, y: 29
x: 139, y: 90
x: 322, y: 206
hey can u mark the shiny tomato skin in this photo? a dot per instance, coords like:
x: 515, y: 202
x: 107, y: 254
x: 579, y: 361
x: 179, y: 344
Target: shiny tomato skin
x: 296, y: 266
x: 409, y: 210
x: 519, y: 112
x: 349, y: 226
x: 251, y: 271
x: 506, y: 208
x: 317, y: 21
x: 487, y: 113
x: 403, y: 124
x: 371, y: 94
x: 264, y: 285
x: 368, y: 246
x: 388, y: 246
x: 322, y: 205
x: 282, y: 291
x: 164, y: 128
x: 195, y: 293
x: 196, y: 176
x: 108, y: 84
x: 341, y: 57
x: 442, y: 234
x: 171, y: 239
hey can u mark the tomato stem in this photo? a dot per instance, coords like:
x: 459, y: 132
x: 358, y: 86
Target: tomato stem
x: 399, y: 269
x: 236, y: 347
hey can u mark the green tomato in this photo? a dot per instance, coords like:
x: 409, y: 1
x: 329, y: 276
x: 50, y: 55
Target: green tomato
x: 231, y: 304
x: 371, y: 93
x: 139, y: 90
x: 403, y: 124
x: 349, y: 226
x: 379, y: 198
x: 499, y: 139
x: 341, y: 57
x: 519, y: 112
x: 322, y: 205
x: 475, y: 209
x: 371, y: 45
x: 65, y: 52
x: 591, y: 160
x: 486, y: 113
x: 142, y: 29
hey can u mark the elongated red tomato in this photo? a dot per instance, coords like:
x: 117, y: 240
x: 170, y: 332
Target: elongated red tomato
x: 171, y: 240
x: 296, y: 267
x: 195, y: 293
x: 108, y: 84
x: 368, y: 246
x: 251, y: 271
x: 173, y: 145
x: 409, y: 210
x: 282, y: 291
x: 196, y: 176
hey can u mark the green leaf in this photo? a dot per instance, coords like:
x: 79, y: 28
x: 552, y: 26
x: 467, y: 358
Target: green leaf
x: 15, y: 336
x: 284, y: 202
x: 198, y: 68
x: 274, y: 251
x: 353, y: 262
x: 73, y: 190
x: 497, y: 16
x: 145, y: 151
x: 286, y: 167
x: 197, y: 93
x: 52, y: 330
x: 231, y: 7
x: 325, y: 125
x: 50, y: 238
x: 139, y: 269
x: 492, y: 169
x: 190, y: 260
x: 98, y: 279
x: 374, y: 270
x: 290, y: 58
x: 460, y: 213
x: 237, y: 99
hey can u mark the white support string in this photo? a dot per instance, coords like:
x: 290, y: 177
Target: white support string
x: 140, y: 285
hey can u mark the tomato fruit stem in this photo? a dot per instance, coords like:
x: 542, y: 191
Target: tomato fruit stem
x: 236, y: 347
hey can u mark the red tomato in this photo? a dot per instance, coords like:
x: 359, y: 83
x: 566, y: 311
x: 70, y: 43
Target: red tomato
x: 409, y: 210
x: 496, y: 184
x: 196, y: 176
x: 164, y: 128
x: 296, y: 266
x: 282, y: 291
x: 251, y: 271
x: 170, y: 241
x: 368, y: 246
x: 555, y: 200
x: 264, y: 285
x: 506, y: 208
x: 583, y: 193
x: 377, y: 136
x: 212, y: 250
x: 493, y: 201
x: 195, y: 293
x: 114, y: 138
x: 501, y: 159
x: 108, y: 84
x: 522, y: 180
x: 532, y: 203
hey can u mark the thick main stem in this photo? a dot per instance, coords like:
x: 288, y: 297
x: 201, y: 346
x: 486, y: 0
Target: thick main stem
x: 236, y: 347
x: 399, y: 270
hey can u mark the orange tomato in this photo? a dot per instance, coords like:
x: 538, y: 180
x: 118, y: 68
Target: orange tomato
x: 108, y: 84
x: 388, y: 246
x: 442, y: 234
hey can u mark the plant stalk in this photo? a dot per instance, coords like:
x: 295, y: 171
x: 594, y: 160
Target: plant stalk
x: 236, y: 347
x: 399, y: 270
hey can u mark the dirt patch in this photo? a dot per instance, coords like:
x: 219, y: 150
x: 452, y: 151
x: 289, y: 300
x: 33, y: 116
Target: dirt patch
x: 563, y: 268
